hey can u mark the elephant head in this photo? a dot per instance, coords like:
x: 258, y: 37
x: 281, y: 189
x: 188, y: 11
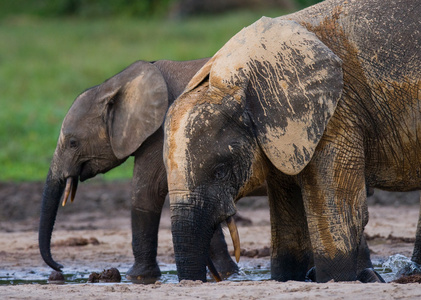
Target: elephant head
x: 105, y: 125
x: 261, y: 103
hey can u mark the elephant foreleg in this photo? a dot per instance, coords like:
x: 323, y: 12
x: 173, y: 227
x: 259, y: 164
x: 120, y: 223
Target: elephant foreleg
x: 334, y: 193
x: 145, y: 226
x: 291, y: 252
x: 149, y: 189
x: 147, y: 203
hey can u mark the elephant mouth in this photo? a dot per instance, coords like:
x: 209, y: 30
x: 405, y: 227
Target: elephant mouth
x: 72, y: 183
x: 71, y: 188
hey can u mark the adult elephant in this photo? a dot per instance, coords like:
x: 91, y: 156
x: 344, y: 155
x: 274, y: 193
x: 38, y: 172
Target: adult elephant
x: 105, y: 125
x: 319, y: 103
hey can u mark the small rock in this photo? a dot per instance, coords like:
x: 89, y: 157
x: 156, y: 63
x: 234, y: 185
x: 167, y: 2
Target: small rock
x: 109, y: 275
x: 56, y: 277
x: 93, y: 277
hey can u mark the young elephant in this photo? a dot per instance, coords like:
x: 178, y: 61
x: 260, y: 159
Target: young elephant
x: 319, y: 103
x: 105, y: 125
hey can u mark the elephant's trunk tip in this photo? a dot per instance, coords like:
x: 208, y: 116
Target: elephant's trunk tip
x: 46, y: 256
x: 213, y: 270
x: 52, y: 193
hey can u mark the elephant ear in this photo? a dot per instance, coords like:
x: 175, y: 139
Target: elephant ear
x: 200, y: 75
x: 138, y: 101
x: 289, y: 82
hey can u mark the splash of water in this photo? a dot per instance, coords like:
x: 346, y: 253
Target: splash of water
x: 397, y: 265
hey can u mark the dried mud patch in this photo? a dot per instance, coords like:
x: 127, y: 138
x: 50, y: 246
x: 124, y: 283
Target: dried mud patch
x: 416, y: 278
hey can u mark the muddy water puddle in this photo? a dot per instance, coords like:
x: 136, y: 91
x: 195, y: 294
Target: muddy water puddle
x: 249, y: 271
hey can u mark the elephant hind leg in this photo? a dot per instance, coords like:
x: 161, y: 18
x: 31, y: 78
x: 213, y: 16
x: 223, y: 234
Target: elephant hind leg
x: 144, y: 244
x: 416, y: 254
x: 149, y: 188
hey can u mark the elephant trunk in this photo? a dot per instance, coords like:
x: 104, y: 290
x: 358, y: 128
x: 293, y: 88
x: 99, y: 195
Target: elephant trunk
x: 52, y: 193
x: 193, y: 226
x: 192, y: 232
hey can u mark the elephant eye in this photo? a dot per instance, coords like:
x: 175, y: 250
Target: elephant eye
x: 73, y: 143
x: 221, y: 172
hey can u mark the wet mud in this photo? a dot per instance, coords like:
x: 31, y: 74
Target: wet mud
x: 93, y: 234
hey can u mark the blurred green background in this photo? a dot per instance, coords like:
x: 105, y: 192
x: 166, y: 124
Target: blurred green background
x: 51, y: 51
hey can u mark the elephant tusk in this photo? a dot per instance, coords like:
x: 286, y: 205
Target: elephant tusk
x: 235, y: 237
x: 69, y: 186
x: 74, y: 189
x: 213, y: 270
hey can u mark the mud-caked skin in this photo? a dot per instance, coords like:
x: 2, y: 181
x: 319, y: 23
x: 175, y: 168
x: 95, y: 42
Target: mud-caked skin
x: 321, y: 104
x: 106, y: 124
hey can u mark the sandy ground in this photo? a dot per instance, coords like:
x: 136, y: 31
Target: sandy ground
x: 391, y: 230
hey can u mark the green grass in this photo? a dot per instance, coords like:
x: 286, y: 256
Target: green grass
x: 46, y: 63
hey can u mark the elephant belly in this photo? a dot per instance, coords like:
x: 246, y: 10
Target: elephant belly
x: 395, y: 164
x: 392, y: 125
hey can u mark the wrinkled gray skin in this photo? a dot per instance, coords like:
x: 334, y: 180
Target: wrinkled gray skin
x: 320, y: 104
x: 106, y: 124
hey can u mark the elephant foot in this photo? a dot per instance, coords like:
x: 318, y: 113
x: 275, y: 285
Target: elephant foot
x: 286, y: 267
x: 365, y: 276
x: 369, y: 275
x: 311, y: 275
x: 143, y: 275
